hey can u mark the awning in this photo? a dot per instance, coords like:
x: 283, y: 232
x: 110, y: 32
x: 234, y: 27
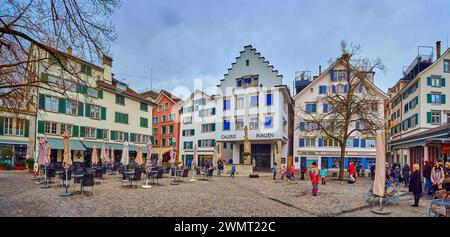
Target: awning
x: 116, y: 146
x: 135, y: 148
x: 90, y: 145
x: 157, y: 150
x: 58, y: 144
x: 4, y: 143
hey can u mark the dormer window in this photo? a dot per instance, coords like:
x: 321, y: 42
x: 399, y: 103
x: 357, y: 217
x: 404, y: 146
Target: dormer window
x: 122, y: 86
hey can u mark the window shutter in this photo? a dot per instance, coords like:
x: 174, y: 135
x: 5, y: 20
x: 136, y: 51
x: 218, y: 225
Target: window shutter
x: 428, y: 117
x: 75, y: 131
x: 345, y: 88
x: 333, y: 88
x: 41, y: 127
x: 27, y: 128
x: 103, y: 113
x: 443, y: 82
x: 429, y: 98
x: 62, y: 105
x: 87, y: 112
x: 213, y: 127
x: 80, y: 109
x: 320, y: 142
x: 302, y: 126
x: 363, y: 143
x: 443, y: 99
x: 325, y: 108
x: 332, y: 74
x: 100, y: 94
x: 184, y: 133
x: 44, y: 77
x: 82, y: 131
x: 132, y: 137
x: 302, y: 142
x: 356, y: 142
x: 193, y: 132
x: 2, y: 121
x: 113, y: 135
x: 126, y: 136
x: 99, y: 133
x: 429, y: 81
x: 41, y: 101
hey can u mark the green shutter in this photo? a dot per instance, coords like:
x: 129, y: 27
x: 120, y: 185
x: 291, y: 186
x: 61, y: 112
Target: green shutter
x: 82, y: 131
x: 87, y: 112
x: 41, y: 127
x: 428, y: 117
x: 99, y: 133
x: 429, y: 81
x: 62, y: 105
x: 103, y: 113
x: 100, y: 94
x: 80, y: 109
x: 132, y: 137
x: 126, y: 136
x: 41, y: 101
x: 75, y: 131
x: 44, y: 77
x: 126, y: 118
x: 213, y: 127
x: 27, y: 128
x: 2, y: 120
x: 443, y: 82
x: 429, y: 98
x: 409, y: 122
x: 152, y: 139
x: 113, y: 135
x: 443, y: 99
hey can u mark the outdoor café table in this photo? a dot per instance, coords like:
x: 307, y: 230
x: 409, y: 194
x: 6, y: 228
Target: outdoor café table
x: 81, y: 181
x: 129, y: 174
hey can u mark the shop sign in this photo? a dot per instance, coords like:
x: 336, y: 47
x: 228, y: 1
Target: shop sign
x: 265, y: 135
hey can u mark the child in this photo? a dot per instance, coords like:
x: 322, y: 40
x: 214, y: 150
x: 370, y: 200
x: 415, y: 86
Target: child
x: 283, y: 172
x: 274, y: 170
x: 292, y: 172
x: 233, y: 171
x: 323, y: 176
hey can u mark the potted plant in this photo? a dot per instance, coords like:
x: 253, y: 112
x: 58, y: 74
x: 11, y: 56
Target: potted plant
x: 2, y: 165
x: 246, y: 154
x: 20, y: 165
x: 30, y: 165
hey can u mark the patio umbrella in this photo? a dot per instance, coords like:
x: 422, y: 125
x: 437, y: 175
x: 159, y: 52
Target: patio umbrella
x: 159, y: 163
x: 107, y: 151
x: 125, y: 154
x: 172, y: 155
x: 148, y: 164
x: 139, y: 159
x: 46, y: 160
x: 67, y: 161
x: 112, y: 161
x: 94, y: 156
x: 41, y: 154
x: 194, y: 163
x: 380, y: 169
x: 103, y: 154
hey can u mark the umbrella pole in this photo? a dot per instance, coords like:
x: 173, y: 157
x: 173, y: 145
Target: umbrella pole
x: 146, y: 186
x: 66, y: 193
x: 45, y: 185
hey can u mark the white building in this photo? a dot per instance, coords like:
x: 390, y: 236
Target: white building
x: 309, y: 146
x: 198, y: 127
x: 252, y: 95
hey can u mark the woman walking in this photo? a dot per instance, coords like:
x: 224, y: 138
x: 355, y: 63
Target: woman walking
x: 437, y: 176
x: 315, y: 178
x: 415, y: 184
x: 406, y: 171
x: 351, y: 173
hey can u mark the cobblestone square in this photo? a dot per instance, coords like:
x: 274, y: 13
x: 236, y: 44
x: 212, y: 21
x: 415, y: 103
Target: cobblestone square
x: 217, y: 197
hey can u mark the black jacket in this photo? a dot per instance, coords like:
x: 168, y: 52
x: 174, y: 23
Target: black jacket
x: 427, y: 171
x: 415, y: 183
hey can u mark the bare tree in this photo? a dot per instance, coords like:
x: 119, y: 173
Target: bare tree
x: 353, y: 107
x: 49, y: 26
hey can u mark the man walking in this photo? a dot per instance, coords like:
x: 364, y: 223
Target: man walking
x: 427, y: 176
x: 405, y: 174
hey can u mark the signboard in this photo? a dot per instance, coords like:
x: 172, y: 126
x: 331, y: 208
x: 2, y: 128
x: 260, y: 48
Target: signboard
x: 251, y: 136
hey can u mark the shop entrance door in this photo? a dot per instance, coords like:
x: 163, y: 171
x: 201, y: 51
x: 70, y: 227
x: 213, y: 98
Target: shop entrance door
x: 261, y: 153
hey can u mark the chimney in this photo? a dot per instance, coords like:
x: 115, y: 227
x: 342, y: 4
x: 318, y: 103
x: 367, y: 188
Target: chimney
x: 320, y: 70
x: 69, y: 50
x: 107, y: 68
x: 345, y: 56
x: 438, y: 49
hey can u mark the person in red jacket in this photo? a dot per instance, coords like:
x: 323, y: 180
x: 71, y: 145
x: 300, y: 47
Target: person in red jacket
x: 351, y: 172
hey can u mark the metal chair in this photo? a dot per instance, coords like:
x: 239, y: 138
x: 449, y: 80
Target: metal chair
x: 158, y: 176
x: 88, y: 181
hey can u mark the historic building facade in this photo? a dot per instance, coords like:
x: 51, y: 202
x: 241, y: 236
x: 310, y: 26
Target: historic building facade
x: 253, y: 101
x: 317, y: 147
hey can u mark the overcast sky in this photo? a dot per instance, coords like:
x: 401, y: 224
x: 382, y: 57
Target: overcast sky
x: 184, y: 40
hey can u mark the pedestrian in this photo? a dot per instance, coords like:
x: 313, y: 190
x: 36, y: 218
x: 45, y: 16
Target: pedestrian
x: 427, y: 176
x: 254, y: 163
x: 372, y: 172
x: 230, y: 161
x: 437, y: 176
x: 351, y: 173
x: 219, y: 167
x: 406, y: 171
x: 292, y: 172
x: 303, y: 170
x: 233, y: 171
x: 189, y: 164
x: 358, y: 168
x: 283, y: 172
x: 274, y: 170
x: 397, y: 174
x: 315, y: 178
x: 415, y: 184
x: 323, y: 176
x: 447, y: 169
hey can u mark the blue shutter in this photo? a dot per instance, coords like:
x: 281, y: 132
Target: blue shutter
x: 302, y: 142
x: 325, y: 108
x: 269, y: 99
x: 360, y: 89
x: 302, y: 126
x: 363, y: 143
x: 332, y: 74
x: 356, y: 142
x: 333, y: 88
x: 345, y: 88
x: 320, y: 142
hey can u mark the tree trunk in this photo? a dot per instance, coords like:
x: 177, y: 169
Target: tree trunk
x: 341, y: 162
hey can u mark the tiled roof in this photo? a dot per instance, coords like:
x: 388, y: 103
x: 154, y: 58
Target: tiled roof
x: 129, y: 92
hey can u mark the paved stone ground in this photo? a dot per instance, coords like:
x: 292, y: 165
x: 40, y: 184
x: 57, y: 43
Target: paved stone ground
x: 218, y: 197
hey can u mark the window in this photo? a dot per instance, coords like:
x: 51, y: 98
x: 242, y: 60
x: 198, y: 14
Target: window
x: 325, y: 107
x: 329, y: 142
x: 71, y: 107
x: 92, y: 92
x: 285, y: 124
x: 105, y: 134
x: 155, y: 120
x: 121, y: 118
x: 239, y: 82
x: 350, y: 142
x: 188, y: 145
x: 448, y: 117
x: 269, y: 99
x: 164, y: 130
x: 95, y: 112
x: 239, y: 123
x: 65, y: 127
x: 159, y: 108
x: 436, y: 98
x: 86, y: 69
x: 370, y: 143
x: 20, y: 127
x: 240, y: 103
x: 311, y: 107
x: 226, y: 124
x: 253, y: 124
x: 155, y: 131
x: 254, y: 101
x: 187, y: 120
x: 120, y: 136
x: 156, y: 143
x: 322, y: 90
x: 208, y: 127
x: 310, y: 142
x: 144, y: 122
x: 188, y: 133
x: 170, y: 129
x: 207, y: 143
x: 339, y: 75
x: 226, y: 104
x: 436, y: 117
x: 120, y: 100
x: 166, y: 106
x: 207, y: 112
x: 163, y: 118
x: 70, y: 86
x: 91, y: 133
x: 50, y: 128
x: 247, y: 82
x: 51, y: 103
x: 247, y: 62
x: 8, y: 126
x: 172, y: 117
x: 268, y: 122
x: 435, y: 81
x: 446, y: 65
x: 144, y: 107
x: 163, y: 142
